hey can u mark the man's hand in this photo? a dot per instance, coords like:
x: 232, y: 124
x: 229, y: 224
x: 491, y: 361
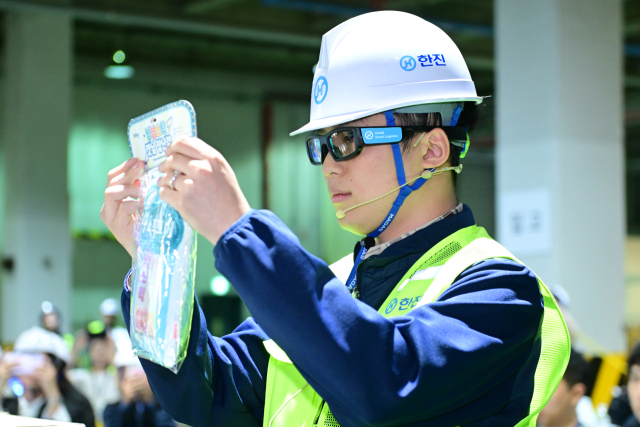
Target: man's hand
x: 133, y: 388
x: 5, y: 371
x: 205, y: 192
x: 118, y: 213
x: 47, y: 377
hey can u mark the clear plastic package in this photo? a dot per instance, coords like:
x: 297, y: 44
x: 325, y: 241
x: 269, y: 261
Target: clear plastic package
x: 164, y: 260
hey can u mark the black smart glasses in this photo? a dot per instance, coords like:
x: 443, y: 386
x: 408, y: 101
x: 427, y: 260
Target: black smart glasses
x: 345, y: 143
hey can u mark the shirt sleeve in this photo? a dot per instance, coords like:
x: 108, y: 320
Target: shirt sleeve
x: 449, y: 362
x: 221, y: 381
x: 60, y: 414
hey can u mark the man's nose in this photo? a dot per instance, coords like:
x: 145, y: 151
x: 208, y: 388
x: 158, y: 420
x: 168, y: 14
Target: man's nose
x: 330, y: 166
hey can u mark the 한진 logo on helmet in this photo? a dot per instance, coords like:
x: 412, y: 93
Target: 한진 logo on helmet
x: 432, y: 59
x: 408, y: 63
x: 391, y: 306
x: 320, y: 90
x: 368, y: 135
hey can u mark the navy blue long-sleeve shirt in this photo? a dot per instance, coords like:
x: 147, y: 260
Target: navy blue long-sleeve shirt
x: 467, y: 359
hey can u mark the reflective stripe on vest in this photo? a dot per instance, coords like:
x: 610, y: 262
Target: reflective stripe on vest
x: 291, y: 402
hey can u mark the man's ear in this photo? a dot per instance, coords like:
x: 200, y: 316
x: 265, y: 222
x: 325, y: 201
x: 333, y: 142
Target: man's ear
x: 577, y: 391
x: 434, y: 148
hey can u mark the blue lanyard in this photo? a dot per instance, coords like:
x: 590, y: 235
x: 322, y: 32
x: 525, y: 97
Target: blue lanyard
x: 404, y: 192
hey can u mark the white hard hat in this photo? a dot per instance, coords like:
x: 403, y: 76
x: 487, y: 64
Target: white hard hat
x: 39, y: 340
x: 385, y: 61
x: 124, y: 355
x: 109, y: 307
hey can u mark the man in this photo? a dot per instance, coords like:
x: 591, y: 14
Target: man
x: 97, y: 382
x: 109, y: 310
x: 633, y: 387
x: 50, y: 317
x: 137, y: 407
x: 561, y: 409
x: 437, y: 325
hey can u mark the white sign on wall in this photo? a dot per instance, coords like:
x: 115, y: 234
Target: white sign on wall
x: 524, y: 221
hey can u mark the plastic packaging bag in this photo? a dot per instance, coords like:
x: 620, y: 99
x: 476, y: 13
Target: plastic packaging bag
x: 164, y: 260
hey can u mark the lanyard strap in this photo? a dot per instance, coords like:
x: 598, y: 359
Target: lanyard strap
x: 404, y: 192
x: 352, y: 280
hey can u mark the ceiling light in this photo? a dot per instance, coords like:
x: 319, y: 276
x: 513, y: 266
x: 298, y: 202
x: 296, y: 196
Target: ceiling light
x: 119, y: 71
x: 119, y: 57
x: 219, y: 286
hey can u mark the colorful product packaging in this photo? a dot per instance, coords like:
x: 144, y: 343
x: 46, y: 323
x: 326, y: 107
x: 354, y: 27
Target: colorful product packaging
x: 164, y: 261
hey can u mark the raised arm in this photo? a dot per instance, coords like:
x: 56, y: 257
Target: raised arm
x: 456, y: 359
x: 222, y: 380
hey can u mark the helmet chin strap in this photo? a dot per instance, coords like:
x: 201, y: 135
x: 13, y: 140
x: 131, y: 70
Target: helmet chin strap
x: 406, y: 189
x: 426, y: 174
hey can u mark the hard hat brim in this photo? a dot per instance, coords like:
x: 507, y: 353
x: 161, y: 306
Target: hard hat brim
x: 346, y: 118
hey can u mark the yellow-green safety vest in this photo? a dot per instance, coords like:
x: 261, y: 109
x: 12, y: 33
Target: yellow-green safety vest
x: 291, y: 402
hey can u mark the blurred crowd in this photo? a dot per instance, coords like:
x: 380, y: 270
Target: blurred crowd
x: 571, y: 405
x: 91, y: 377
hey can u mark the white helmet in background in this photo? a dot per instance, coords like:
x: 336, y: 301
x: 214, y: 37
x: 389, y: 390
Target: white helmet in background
x: 385, y: 61
x: 39, y: 340
x: 109, y: 307
x: 124, y: 356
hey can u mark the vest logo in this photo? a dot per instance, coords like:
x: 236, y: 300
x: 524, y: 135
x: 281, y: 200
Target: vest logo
x: 409, y: 303
x: 391, y: 306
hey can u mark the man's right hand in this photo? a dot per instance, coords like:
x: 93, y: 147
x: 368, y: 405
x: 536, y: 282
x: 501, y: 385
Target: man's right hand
x: 117, y: 213
x: 5, y: 371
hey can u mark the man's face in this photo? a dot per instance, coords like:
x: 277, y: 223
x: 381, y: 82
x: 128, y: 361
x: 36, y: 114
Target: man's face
x: 634, y: 389
x: 368, y: 176
x: 101, y: 352
x: 561, y: 409
x: 51, y: 322
x: 32, y: 388
x: 109, y: 320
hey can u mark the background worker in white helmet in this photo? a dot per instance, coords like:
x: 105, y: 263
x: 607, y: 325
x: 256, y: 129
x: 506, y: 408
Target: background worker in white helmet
x: 432, y: 325
x: 33, y: 381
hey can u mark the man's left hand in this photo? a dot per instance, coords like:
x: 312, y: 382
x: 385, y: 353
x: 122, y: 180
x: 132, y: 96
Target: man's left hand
x: 205, y: 191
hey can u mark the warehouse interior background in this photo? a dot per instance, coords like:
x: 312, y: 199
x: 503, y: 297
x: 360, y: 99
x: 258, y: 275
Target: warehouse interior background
x: 560, y: 81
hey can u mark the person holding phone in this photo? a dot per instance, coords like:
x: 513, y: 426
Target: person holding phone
x: 35, y: 373
x: 137, y: 406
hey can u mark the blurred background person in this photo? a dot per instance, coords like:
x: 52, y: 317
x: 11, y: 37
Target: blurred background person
x: 39, y: 388
x: 561, y: 409
x: 99, y: 381
x: 137, y: 407
x: 50, y: 318
x: 110, y: 312
x: 633, y: 387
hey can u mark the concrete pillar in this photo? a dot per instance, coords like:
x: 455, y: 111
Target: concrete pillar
x: 559, y: 153
x: 35, y: 126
